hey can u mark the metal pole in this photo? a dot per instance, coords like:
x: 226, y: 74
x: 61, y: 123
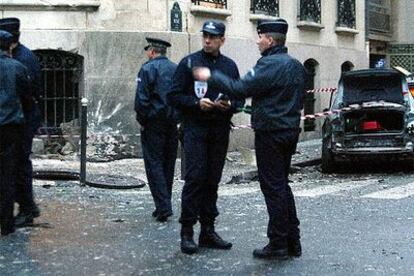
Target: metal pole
x: 182, y: 161
x: 84, y: 126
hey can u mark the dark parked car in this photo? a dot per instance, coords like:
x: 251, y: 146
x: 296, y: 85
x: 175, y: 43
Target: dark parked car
x: 371, y: 117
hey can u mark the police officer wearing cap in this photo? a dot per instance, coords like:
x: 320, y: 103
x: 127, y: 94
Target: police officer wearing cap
x: 28, y: 209
x: 158, y: 122
x: 206, y: 115
x: 15, y: 98
x: 276, y: 86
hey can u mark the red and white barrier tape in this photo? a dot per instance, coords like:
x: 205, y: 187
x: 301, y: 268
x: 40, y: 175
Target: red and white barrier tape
x: 312, y: 116
x: 322, y: 90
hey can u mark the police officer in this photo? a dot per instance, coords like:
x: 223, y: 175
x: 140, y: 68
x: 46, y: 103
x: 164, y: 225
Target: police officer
x: 206, y: 125
x: 276, y: 86
x: 158, y: 124
x: 14, y: 100
x: 28, y: 209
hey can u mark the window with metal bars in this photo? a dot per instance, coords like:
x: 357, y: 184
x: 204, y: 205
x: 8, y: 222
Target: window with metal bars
x: 267, y: 7
x: 61, y: 72
x: 310, y: 10
x: 220, y: 4
x: 346, y: 14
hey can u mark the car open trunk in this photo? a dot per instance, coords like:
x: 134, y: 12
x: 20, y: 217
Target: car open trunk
x: 369, y: 121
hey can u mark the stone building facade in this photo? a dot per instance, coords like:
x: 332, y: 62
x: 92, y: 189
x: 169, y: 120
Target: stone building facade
x: 94, y: 48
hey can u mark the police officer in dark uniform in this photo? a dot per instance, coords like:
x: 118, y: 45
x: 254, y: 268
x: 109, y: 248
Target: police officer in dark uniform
x: 28, y: 209
x: 158, y: 124
x: 206, y: 123
x: 276, y: 86
x: 15, y: 96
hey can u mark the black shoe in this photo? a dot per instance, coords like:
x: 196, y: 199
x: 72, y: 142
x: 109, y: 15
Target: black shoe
x: 155, y: 213
x: 163, y: 217
x: 271, y: 252
x: 188, y: 246
x: 7, y: 230
x: 210, y: 239
x: 25, y: 218
x: 35, y: 212
x: 294, y: 248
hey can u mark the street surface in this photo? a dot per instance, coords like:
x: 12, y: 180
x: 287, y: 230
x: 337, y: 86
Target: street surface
x: 352, y: 223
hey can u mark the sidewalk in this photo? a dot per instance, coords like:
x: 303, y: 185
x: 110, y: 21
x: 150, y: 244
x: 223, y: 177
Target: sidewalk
x: 237, y: 163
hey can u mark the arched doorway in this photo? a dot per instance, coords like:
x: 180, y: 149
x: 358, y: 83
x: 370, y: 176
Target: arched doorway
x: 60, y: 99
x: 347, y: 66
x: 311, y: 66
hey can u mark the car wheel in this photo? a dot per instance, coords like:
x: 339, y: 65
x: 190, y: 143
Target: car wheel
x: 328, y: 161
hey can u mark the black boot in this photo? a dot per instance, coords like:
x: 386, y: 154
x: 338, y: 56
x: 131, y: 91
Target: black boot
x: 7, y: 230
x: 163, y: 216
x: 25, y: 217
x: 188, y: 246
x: 271, y: 252
x: 294, y: 248
x: 210, y: 239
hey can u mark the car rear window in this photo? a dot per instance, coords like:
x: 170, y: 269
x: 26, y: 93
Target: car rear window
x: 359, y: 89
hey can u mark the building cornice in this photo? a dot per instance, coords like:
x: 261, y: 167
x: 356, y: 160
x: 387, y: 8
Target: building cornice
x: 50, y: 5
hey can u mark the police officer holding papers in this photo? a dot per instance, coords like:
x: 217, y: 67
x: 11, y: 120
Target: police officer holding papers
x: 206, y: 115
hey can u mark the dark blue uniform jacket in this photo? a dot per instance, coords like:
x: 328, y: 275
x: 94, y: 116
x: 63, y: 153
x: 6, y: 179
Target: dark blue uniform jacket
x: 183, y: 95
x: 153, y: 83
x: 276, y: 86
x: 15, y: 91
x: 28, y: 59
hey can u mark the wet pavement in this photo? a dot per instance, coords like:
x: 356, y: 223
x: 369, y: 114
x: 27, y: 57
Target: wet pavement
x: 89, y: 231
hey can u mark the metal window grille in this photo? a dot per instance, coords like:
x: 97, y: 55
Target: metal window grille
x: 310, y: 10
x: 211, y: 3
x: 402, y: 55
x: 267, y: 7
x: 346, y: 14
x: 61, y: 72
x: 379, y: 16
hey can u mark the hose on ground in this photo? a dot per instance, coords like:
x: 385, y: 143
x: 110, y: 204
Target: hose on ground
x: 67, y: 176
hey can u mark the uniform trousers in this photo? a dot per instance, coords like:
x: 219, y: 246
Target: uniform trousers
x: 11, y: 137
x: 274, y: 150
x: 205, y: 147
x: 24, y: 185
x: 159, y: 140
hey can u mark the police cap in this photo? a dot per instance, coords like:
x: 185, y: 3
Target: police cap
x: 272, y: 26
x: 10, y: 24
x: 156, y: 42
x: 214, y: 27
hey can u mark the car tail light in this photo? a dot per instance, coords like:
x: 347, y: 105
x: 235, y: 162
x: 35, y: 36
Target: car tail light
x: 412, y: 91
x: 371, y: 125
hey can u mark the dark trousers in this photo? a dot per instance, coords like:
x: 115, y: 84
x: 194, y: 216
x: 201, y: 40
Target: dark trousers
x: 274, y: 151
x: 205, y: 148
x: 159, y: 145
x: 10, y: 151
x: 24, y: 181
